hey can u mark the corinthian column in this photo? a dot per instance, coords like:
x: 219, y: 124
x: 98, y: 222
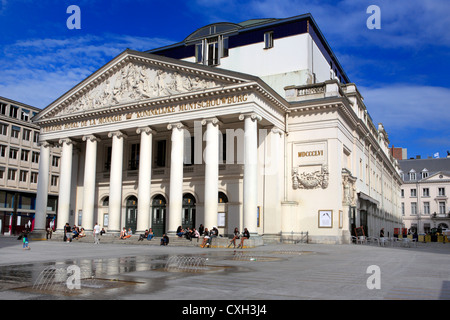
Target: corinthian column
x: 115, y: 182
x: 176, y: 176
x: 250, y: 171
x: 65, y: 183
x: 145, y: 168
x: 211, y: 171
x: 90, y: 164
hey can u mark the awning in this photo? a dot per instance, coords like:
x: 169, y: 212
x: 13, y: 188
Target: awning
x: 363, y: 196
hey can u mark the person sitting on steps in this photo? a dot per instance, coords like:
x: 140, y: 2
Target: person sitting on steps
x: 206, y: 236
x: 245, y: 235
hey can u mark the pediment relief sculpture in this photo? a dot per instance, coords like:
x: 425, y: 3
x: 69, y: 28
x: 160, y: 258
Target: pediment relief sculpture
x: 136, y: 82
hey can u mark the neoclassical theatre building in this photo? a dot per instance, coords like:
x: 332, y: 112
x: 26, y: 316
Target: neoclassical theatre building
x: 249, y: 125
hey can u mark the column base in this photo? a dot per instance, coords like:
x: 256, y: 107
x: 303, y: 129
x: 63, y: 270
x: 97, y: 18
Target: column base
x: 38, y: 235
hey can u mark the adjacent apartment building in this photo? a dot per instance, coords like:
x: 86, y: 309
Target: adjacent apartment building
x: 19, y: 167
x: 424, y: 194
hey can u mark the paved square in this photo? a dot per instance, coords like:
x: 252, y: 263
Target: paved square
x: 270, y: 272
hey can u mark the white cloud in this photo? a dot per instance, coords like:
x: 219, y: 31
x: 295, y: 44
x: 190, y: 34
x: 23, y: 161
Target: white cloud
x: 402, y: 107
x: 38, y: 71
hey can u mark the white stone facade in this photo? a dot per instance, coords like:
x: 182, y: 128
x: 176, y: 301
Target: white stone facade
x: 156, y: 142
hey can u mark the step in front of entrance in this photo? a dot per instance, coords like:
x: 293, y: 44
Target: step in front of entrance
x: 219, y: 242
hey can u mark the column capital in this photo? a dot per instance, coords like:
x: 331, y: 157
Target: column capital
x: 252, y: 116
x: 175, y: 125
x: 44, y: 144
x: 118, y: 134
x: 276, y: 130
x: 212, y: 120
x: 67, y: 141
x: 146, y: 130
x: 91, y: 138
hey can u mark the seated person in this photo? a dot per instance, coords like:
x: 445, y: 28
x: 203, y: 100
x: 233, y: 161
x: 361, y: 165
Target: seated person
x: 103, y: 231
x: 150, y: 234
x: 195, y: 233
x: 164, y: 240
x: 188, y: 234
x: 124, y: 235
x: 143, y: 236
x: 75, y: 233
x: 245, y: 235
x: 213, y: 234
x: 236, y: 236
x: 180, y: 232
x: 206, y: 237
x: 81, y: 234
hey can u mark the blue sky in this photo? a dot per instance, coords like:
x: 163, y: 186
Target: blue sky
x: 402, y: 70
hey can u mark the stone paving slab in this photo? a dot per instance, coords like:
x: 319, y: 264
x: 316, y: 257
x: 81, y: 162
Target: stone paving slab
x: 269, y: 272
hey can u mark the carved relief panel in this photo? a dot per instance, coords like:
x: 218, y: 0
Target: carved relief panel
x: 309, y: 165
x: 136, y: 82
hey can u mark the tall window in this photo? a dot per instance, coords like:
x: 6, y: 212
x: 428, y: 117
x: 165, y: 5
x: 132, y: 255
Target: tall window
x: 34, y: 177
x: 26, y: 134
x: 3, y: 129
x: 23, y: 176
x: 441, y: 207
x: 441, y: 192
x: 161, y: 153
x: 25, y: 115
x: 54, y: 181
x: 24, y: 155
x: 268, y: 40
x: 210, y: 50
x: 426, y: 208
x: 3, y: 108
x: 12, y: 174
x: 13, y: 111
x: 13, y: 153
x: 36, y: 137
x: 413, y: 192
x: 15, y: 132
x: 3, y: 150
x: 413, y: 207
x: 426, y: 192
x: 55, y: 161
x: 35, y: 157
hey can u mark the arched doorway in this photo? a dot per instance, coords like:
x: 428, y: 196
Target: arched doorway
x: 159, y: 215
x: 188, y: 215
x: 131, y: 213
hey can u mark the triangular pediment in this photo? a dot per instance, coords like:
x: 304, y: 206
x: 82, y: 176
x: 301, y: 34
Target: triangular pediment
x: 136, y: 77
x: 439, y: 176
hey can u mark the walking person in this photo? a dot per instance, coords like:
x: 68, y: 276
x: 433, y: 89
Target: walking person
x: 25, y: 241
x: 96, y: 233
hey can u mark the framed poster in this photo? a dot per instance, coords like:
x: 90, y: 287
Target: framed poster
x: 221, y: 219
x: 325, y: 218
x: 341, y: 219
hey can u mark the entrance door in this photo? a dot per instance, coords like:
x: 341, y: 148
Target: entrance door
x: 131, y: 214
x: 159, y: 215
x: 188, y: 215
